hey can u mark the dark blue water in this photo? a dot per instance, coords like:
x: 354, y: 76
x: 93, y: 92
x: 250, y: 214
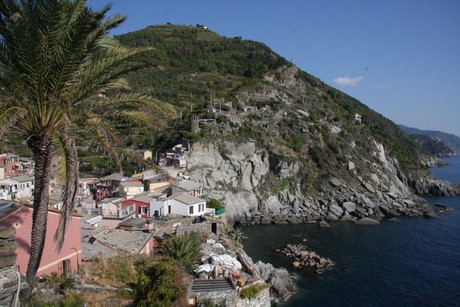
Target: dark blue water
x: 401, y: 262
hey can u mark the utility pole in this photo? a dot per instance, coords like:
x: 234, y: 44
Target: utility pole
x: 211, y: 97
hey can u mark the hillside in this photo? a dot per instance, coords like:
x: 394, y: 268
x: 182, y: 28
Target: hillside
x: 450, y: 140
x: 189, y: 65
x: 273, y: 143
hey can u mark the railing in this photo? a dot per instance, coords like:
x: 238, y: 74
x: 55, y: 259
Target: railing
x: 220, y: 211
x: 210, y: 211
x: 89, y: 211
x: 110, y: 214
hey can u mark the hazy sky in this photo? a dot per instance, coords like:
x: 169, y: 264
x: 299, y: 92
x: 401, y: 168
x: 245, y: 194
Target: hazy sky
x: 401, y: 58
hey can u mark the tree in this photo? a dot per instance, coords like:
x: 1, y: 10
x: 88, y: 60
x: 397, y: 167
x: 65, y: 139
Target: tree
x: 58, y: 66
x: 185, y: 249
x: 161, y: 284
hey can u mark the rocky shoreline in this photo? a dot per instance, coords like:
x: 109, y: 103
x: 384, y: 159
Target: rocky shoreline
x: 240, y: 179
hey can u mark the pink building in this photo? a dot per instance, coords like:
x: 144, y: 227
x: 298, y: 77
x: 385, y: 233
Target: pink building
x: 9, y: 162
x: 141, y: 205
x: 67, y: 260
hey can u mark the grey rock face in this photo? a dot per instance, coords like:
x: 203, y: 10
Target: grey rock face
x: 256, y: 186
x: 282, y: 285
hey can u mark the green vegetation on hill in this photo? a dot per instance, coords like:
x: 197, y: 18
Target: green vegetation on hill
x: 298, y: 117
x: 433, y: 147
x: 189, y: 63
x: 450, y: 140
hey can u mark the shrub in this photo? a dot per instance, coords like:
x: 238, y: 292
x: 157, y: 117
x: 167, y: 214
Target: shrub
x: 160, y: 284
x: 250, y: 292
x: 213, y: 203
x: 185, y: 249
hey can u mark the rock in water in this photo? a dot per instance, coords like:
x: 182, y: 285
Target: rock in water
x: 367, y: 221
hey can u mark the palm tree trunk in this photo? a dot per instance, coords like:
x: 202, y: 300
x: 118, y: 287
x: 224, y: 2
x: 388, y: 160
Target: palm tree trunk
x: 42, y: 148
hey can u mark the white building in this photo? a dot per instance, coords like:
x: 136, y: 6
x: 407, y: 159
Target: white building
x: 191, y: 187
x: 17, y: 187
x: 183, y: 204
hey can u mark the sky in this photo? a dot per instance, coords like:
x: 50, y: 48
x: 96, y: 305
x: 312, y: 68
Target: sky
x: 399, y: 57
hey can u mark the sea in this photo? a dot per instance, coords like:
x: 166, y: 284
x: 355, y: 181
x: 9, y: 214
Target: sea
x: 403, y: 261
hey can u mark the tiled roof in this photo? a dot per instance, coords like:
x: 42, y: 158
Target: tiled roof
x: 115, y: 177
x: 133, y: 222
x: 132, y: 184
x: 188, y: 199
x: 23, y: 178
x: 143, y: 199
x: 113, y: 241
x: 188, y: 185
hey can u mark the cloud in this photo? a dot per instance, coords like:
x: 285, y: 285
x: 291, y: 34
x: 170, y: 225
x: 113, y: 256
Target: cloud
x: 381, y: 86
x: 347, y: 81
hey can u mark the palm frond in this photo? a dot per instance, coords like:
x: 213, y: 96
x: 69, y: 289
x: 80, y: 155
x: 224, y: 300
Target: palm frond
x: 68, y: 173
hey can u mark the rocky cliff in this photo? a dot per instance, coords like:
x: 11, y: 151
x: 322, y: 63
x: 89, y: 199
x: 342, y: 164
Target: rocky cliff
x: 257, y: 187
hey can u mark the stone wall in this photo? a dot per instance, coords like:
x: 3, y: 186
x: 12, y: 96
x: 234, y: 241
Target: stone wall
x: 262, y: 300
x: 9, y: 277
x: 7, y: 247
x: 220, y: 298
x: 231, y: 299
x: 204, y: 227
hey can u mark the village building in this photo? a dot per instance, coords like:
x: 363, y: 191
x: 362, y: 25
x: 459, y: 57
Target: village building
x: 9, y: 162
x: 140, y: 205
x: 145, y: 154
x: 182, y: 204
x: 66, y: 261
x: 129, y: 189
x: 20, y: 187
x: 107, y: 186
x: 191, y: 187
x: 111, y: 242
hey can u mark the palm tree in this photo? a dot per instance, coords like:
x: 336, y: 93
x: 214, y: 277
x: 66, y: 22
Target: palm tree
x: 55, y: 58
x: 185, y: 249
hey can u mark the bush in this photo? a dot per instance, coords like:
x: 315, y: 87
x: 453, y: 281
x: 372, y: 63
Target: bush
x: 160, y: 284
x: 214, y: 204
x: 185, y: 249
x: 250, y: 292
x: 71, y: 300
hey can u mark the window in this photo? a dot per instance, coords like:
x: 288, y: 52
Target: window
x: 142, y: 210
x: 190, y: 210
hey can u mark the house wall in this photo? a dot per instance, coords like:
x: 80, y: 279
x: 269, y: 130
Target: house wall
x: 51, y: 261
x: 9, y: 163
x: 2, y: 172
x: 25, y: 189
x: 149, y: 246
x: 178, y: 207
x: 137, y: 205
x: 160, y: 205
x: 130, y: 191
x: 157, y: 185
x: 147, y: 155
